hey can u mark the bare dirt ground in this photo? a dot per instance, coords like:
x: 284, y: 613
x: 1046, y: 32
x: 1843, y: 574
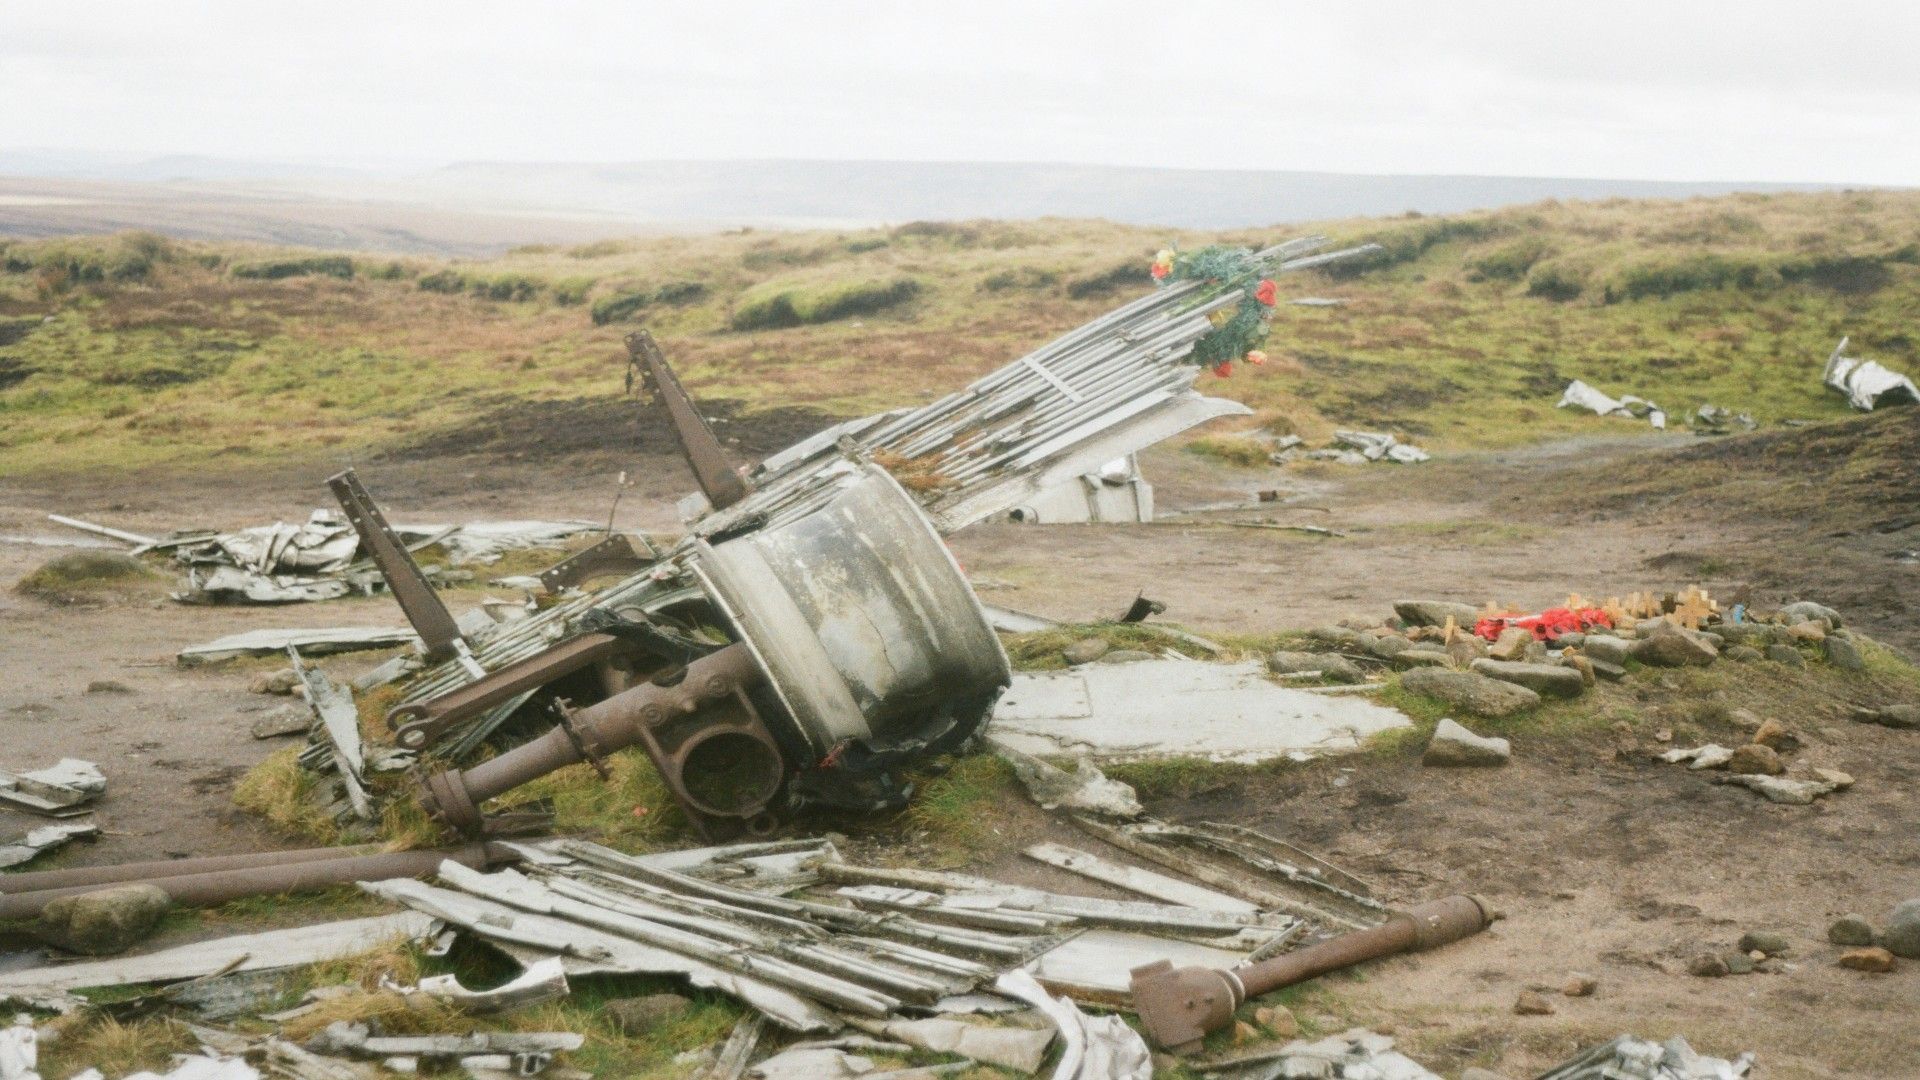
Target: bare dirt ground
x: 1605, y: 863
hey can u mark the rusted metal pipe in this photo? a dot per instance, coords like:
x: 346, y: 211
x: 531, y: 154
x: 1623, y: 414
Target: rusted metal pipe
x: 1178, y: 1006
x: 220, y: 886
x: 645, y: 714
x: 37, y: 880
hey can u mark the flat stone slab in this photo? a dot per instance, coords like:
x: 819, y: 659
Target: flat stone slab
x: 1180, y: 708
x: 1547, y: 680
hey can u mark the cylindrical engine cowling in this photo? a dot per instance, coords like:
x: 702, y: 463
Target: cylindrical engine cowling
x: 863, y: 623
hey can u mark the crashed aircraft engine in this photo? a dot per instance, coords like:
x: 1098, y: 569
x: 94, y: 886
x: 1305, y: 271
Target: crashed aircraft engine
x: 811, y: 636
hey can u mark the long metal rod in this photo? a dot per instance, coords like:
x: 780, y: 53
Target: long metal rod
x: 36, y: 880
x: 220, y: 886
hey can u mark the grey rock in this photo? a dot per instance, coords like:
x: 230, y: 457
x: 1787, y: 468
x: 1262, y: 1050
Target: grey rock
x: 1850, y: 930
x: 1422, y: 657
x: 1807, y: 611
x: 1547, y: 680
x: 1771, y: 942
x: 1453, y: 745
x: 1126, y: 656
x: 1738, y: 963
x: 1466, y: 648
x: 1572, y: 639
x: 1902, y: 936
x: 105, y: 921
x: 1609, y: 672
x: 1470, y: 692
x: 1746, y: 654
x: 1512, y: 644
x: 1893, y: 716
x: 286, y: 720
x: 1844, y: 654
x: 108, y: 686
x: 1332, y: 666
x: 1612, y: 650
x: 1708, y: 966
x: 1338, y: 637
x: 1386, y: 648
x: 1436, y: 613
x: 281, y: 682
x: 641, y: 1016
x: 1086, y: 650
x: 1786, y: 654
x: 1670, y: 646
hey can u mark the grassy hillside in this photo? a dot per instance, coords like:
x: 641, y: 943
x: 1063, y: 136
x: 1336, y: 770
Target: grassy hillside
x: 134, y: 350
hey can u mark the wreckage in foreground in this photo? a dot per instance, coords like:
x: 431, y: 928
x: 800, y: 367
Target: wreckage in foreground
x: 811, y: 634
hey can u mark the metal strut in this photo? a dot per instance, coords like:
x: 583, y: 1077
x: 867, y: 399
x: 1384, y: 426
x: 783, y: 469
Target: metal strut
x: 716, y: 475
x: 439, y: 636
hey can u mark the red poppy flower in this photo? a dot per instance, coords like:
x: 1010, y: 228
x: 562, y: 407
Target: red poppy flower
x: 1224, y: 369
x: 1160, y: 270
x: 1268, y: 293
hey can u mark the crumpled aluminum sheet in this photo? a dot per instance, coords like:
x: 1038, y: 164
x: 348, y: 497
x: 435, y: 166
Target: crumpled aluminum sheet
x: 1865, y: 383
x: 1579, y: 395
x: 1630, y: 1058
x: 1095, y: 1047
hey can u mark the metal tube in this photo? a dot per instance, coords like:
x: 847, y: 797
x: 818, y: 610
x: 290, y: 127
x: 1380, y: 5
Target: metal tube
x: 220, y: 886
x: 454, y: 796
x: 1178, y: 1006
x: 37, y: 880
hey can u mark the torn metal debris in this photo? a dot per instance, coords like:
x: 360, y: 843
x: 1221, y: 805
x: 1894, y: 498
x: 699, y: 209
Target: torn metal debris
x: 1115, y: 492
x: 1632, y: 1058
x: 43, y: 839
x: 1866, y: 384
x: 1579, y: 395
x: 320, y: 641
x: 1232, y: 712
x: 64, y: 789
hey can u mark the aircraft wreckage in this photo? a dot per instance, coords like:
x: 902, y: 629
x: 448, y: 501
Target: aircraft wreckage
x: 811, y: 634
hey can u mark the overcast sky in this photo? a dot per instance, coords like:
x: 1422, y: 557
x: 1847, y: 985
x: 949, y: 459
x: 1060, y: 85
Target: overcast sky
x: 1681, y: 89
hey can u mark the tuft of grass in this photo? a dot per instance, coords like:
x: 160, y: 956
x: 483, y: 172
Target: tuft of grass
x: 1241, y: 450
x: 82, y: 575
x: 962, y: 808
x: 778, y: 305
x: 88, y: 1039
x: 281, y: 792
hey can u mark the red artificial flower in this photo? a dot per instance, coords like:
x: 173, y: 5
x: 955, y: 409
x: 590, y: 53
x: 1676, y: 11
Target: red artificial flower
x: 1256, y: 358
x: 1224, y: 369
x: 1160, y: 270
x: 1268, y: 293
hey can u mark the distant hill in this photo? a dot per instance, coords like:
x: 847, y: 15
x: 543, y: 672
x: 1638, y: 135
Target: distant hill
x: 210, y: 198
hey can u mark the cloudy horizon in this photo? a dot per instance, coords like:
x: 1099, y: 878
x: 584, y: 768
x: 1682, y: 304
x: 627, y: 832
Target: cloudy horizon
x: 1765, y: 92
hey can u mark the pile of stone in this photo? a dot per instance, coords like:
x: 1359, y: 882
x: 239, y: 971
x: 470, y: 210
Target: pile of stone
x: 1863, y: 948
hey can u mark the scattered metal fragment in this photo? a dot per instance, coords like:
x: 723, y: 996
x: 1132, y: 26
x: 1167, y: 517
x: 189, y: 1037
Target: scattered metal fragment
x: 541, y: 982
x: 101, y: 530
x: 1380, y: 446
x: 1356, y: 1054
x: 1085, y: 789
x: 19, y: 1050
x: 320, y: 641
x: 1580, y: 395
x: 42, y: 839
x: 1021, y: 1049
x: 63, y: 789
x: 1178, y: 1006
x: 1231, y: 712
x: 1714, y: 420
x: 1135, y: 879
x: 1866, y: 384
x: 342, y: 1037
x: 737, y: 1050
x: 1115, y: 492
x: 263, y: 951
x: 1094, y: 1048
x: 1631, y: 1058
x: 335, y: 738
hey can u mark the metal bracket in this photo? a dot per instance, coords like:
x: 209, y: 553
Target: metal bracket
x: 614, y: 555
x: 563, y: 716
x: 439, y: 635
x: 718, y: 479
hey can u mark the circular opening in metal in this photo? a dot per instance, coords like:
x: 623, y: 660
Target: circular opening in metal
x: 729, y: 773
